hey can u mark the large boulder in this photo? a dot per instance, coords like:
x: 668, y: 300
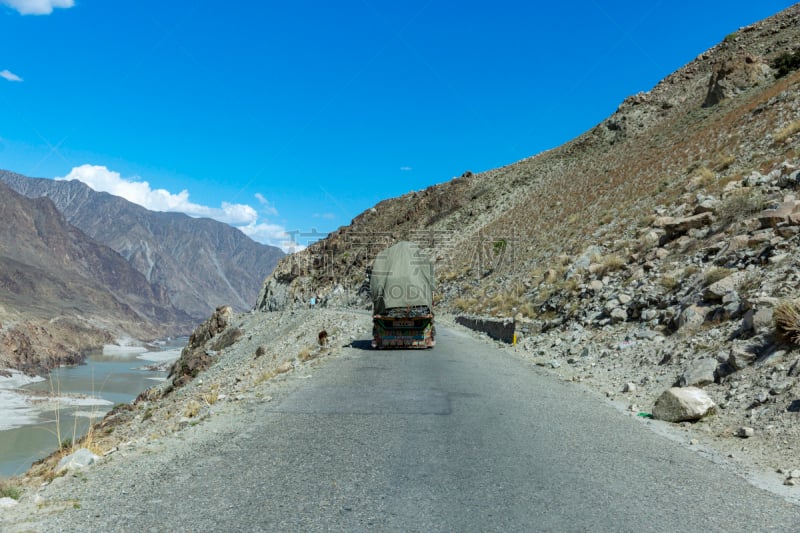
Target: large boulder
x: 683, y: 403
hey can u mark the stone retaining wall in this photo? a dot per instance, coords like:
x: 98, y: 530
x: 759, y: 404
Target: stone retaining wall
x: 501, y: 330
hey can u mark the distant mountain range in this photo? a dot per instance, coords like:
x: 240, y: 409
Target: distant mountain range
x: 108, y: 267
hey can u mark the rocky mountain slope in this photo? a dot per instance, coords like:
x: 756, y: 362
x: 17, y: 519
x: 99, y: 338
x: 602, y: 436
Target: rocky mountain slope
x: 63, y: 292
x: 202, y: 263
x: 510, y: 240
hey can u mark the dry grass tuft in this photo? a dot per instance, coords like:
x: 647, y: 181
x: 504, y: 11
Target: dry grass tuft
x: 787, y: 131
x: 192, y: 409
x: 714, y: 274
x: 705, y: 175
x: 306, y: 354
x: 211, y: 396
x: 739, y: 205
x: 723, y: 162
x: 787, y: 320
x: 670, y: 283
x: 611, y: 263
x: 466, y: 305
x: 265, y: 376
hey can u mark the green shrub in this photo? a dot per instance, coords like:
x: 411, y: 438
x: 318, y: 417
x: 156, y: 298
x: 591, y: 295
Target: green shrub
x: 786, y: 63
x: 8, y: 491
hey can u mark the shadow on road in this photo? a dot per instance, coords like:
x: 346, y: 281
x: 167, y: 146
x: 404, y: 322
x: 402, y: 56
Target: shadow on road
x: 364, y: 344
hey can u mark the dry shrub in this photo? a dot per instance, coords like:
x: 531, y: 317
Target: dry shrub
x: 192, y: 409
x: 669, y: 283
x: 569, y: 285
x: 466, y: 305
x: 212, y: 395
x: 306, y: 354
x: 611, y: 263
x: 690, y: 270
x: 787, y: 320
x: 528, y: 310
x: 740, y: 205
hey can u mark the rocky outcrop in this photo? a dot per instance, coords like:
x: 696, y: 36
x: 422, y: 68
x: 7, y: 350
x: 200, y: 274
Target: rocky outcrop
x: 735, y: 75
x: 211, y: 336
x: 675, y: 227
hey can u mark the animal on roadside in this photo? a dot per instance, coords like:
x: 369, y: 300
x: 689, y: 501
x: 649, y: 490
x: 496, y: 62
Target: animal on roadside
x: 323, y: 338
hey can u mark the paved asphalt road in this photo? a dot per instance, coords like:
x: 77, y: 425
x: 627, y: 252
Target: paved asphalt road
x: 463, y: 437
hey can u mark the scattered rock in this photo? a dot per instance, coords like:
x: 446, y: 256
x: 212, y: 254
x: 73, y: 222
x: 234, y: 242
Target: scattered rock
x: 741, y: 357
x: 675, y: 227
x: 745, y: 432
x: 79, y: 459
x: 701, y: 372
x: 679, y: 404
x: 618, y: 315
x: 6, y: 502
x: 692, y: 317
x: 720, y: 289
x: 780, y: 215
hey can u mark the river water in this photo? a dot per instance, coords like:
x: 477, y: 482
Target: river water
x: 75, y: 396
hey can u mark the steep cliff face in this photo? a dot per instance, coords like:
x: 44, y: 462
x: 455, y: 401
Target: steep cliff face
x: 62, y: 292
x: 201, y: 263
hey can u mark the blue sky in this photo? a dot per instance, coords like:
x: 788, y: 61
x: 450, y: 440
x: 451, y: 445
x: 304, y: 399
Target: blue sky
x: 291, y: 118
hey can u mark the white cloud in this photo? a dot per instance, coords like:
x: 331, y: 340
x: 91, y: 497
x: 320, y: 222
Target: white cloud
x: 266, y: 206
x: 272, y: 234
x: 406, y: 169
x: 10, y: 76
x: 139, y: 192
x: 325, y: 216
x: 241, y: 216
x: 37, y: 7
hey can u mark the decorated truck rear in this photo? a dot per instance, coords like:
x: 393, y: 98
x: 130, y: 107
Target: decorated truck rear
x: 401, y: 285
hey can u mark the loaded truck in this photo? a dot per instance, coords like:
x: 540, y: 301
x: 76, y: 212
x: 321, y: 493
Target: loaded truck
x: 401, y: 285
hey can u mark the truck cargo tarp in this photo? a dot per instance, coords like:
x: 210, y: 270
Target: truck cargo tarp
x: 402, y: 276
